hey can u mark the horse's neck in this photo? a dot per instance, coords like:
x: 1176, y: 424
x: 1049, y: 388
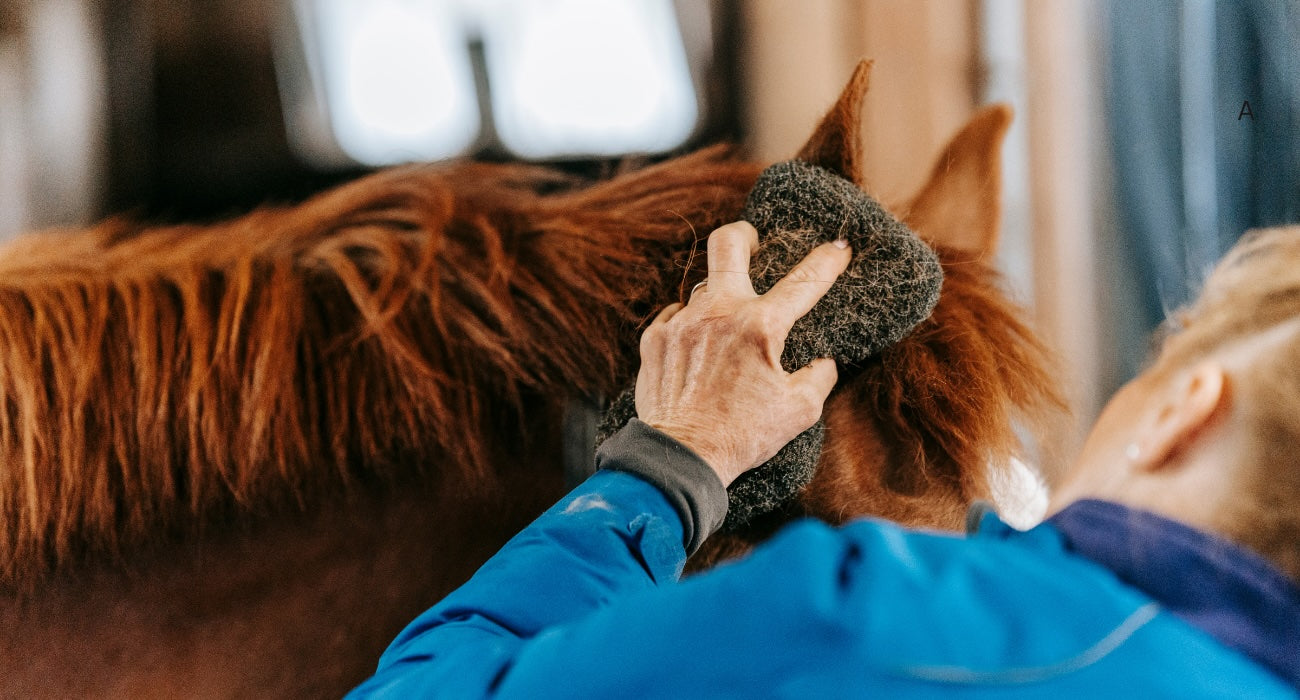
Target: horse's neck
x: 864, y: 471
x: 298, y: 609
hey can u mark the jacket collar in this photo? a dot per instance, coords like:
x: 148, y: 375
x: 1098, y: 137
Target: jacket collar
x: 1221, y: 588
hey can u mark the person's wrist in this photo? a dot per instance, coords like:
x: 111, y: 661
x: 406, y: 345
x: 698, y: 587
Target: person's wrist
x: 697, y: 441
x: 688, y: 482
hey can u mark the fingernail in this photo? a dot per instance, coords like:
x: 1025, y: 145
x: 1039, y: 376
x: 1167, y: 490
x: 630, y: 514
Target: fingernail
x: 841, y: 243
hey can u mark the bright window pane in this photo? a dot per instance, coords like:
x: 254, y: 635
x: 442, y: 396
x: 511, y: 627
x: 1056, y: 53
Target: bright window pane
x: 396, y: 78
x: 566, y: 77
x: 588, y: 77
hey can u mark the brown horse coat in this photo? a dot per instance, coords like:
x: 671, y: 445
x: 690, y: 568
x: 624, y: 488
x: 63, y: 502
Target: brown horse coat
x: 236, y: 458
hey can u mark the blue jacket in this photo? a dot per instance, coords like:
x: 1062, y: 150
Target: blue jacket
x: 1101, y: 601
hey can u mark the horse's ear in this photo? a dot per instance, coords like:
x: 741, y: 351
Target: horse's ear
x: 836, y: 144
x: 960, y: 206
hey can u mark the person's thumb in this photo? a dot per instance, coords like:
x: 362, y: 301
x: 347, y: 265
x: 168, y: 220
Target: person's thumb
x: 813, y: 384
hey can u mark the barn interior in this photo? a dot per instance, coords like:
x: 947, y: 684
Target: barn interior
x: 1147, y: 137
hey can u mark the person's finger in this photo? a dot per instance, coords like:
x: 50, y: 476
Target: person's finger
x: 796, y: 293
x: 699, y: 287
x: 730, y: 248
x: 654, y: 334
x: 653, y: 340
x: 813, y: 384
x: 667, y: 312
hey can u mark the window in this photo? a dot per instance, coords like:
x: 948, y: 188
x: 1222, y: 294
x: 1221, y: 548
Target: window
x: 402, y: 80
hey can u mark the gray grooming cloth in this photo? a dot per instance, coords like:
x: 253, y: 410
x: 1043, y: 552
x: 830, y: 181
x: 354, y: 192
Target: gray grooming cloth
x: 891, y: 285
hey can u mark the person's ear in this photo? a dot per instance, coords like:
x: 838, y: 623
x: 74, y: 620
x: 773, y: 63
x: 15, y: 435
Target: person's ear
x: 1180, y: 415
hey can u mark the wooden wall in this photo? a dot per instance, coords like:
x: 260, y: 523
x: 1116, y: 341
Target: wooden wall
x: 799, y: 55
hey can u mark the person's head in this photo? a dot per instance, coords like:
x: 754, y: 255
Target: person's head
x: 1209, y: 434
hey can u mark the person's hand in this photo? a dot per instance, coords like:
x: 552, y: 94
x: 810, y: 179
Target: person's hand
x: 711, y: 374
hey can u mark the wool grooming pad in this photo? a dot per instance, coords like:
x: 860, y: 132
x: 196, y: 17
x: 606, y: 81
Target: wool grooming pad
x: 891, y: 285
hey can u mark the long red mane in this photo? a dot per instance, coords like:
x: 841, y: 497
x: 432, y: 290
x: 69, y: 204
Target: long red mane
x: 425, y: 324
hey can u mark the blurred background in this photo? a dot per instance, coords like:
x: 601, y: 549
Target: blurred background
x: 1149, y: 133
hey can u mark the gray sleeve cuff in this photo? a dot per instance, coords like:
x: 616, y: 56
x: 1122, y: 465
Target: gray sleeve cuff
x: 685, y: 479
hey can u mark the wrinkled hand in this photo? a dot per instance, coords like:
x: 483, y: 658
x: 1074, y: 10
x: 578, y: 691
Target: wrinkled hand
x: 711, y: 374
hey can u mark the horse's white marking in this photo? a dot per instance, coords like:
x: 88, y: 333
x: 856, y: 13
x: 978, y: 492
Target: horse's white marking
x: 1019, y: 494
x: 588, y: 502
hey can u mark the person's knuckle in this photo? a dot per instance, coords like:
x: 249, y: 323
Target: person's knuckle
x: 726, y: 324
x: 766, y: 321
x: 830, y: 373
x: 802, y: 274
x: 733, y: 236
x: 752, y: 322
x: 723, y: 238
x: 810, y: 405
x: 810, y: 396
x: 652, y: 337
x: 739, y: 230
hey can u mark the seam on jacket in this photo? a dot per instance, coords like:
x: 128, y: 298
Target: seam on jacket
x: 1035, y: 674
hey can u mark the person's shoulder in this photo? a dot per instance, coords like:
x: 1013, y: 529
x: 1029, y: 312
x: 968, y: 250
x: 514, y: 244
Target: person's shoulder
x: 990, y: 601
x: 1010, y: 608
x: 970, y: 574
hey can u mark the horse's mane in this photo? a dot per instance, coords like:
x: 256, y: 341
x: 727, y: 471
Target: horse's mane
x: 960, y: 389
x: 422, y: 323
x: 153, y: 379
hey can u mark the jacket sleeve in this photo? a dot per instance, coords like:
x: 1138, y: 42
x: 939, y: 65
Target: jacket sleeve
x: 585, y: 604
x: 626, y: 529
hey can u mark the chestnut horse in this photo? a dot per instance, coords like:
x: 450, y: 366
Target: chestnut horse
x: 238, y: 458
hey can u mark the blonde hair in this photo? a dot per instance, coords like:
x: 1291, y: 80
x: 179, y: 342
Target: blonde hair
x: 1254, y: 291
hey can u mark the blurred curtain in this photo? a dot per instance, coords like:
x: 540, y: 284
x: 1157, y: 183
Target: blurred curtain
x: 1192, y: 171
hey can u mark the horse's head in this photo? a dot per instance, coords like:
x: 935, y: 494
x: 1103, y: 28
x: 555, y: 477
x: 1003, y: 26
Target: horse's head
x: 928, y: 425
